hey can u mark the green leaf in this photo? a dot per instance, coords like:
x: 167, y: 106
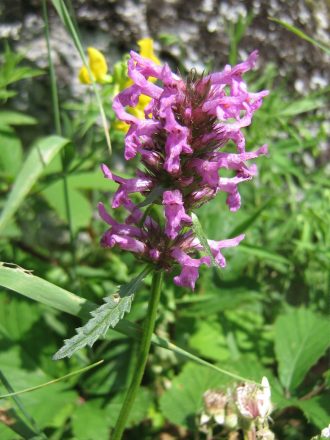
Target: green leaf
x: 269, y: 257
x: 88, y: 422
x: 208, y: 305
x: 152, y: 196
x: 210, y: 341
x: 16, y: 118
x: 11, y: 151
x: 12, y: 326
x: 184, y: 400
x: 197, y: 227
x: 316, y: 410
x: 106, y: 316
x: 139, y: 410
x: 91, y: 180
x: 301, y: 338
x: 39, y: 157
x: 36, y: 433
x: 22, y: 281
x: 301, y: 106
x: 81, y: 209
x: 245, y: 224
x: 23, y: 373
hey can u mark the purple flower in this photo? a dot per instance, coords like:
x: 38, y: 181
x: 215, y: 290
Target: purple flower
x: 174, y: 213
x: 187, y: 123
x: 190, y: 266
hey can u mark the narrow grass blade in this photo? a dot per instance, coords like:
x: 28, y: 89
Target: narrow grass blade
x: 244, y: 225
x: 39, y: 157
x: 64, y: 15
x: 58, y: 128
x: 22, y: 281
x: 51, y: 382
x: 301, y: 35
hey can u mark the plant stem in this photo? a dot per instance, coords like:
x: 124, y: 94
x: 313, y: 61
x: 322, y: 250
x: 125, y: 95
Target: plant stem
x: 142, y: 356
x: 58, y: 130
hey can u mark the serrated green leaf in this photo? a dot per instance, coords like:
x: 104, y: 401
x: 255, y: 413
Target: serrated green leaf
x: 22, y: 281
x: 301, y: 338
x: 197, y: 227
x: 106, y: 316
x: 39, y: 157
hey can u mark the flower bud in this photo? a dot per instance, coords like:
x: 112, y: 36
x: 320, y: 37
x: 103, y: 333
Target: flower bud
x: 214, y: 405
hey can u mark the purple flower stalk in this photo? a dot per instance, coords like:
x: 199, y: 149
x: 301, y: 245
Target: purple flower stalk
x: 187, y: 123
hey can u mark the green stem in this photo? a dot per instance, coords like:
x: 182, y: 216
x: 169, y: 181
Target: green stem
x: 142, y: 356
x: 58, y: 130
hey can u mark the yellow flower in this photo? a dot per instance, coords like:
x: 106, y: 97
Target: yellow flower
x: 146, y: 46
x: 147, y: 51
x: 98, y: 67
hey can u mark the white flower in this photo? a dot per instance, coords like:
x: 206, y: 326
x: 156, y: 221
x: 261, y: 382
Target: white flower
x: 325, y: 433
x: 253, y: 400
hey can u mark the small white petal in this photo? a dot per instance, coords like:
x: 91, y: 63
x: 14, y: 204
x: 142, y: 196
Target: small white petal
x: 204, y: 419
x: 325, y: 433
x: 220, y: 419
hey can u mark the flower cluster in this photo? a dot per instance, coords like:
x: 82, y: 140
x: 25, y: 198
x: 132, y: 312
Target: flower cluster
x: 247, y: 406
x: 186, y: 125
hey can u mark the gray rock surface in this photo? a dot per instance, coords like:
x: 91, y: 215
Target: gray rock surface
x: 201, y: 28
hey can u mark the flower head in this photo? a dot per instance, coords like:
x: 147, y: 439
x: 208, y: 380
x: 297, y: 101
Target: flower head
x: 180, y: 140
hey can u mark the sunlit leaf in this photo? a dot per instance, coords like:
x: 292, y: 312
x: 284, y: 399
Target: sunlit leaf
x: 39, y: 157
x: 301, y: 338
